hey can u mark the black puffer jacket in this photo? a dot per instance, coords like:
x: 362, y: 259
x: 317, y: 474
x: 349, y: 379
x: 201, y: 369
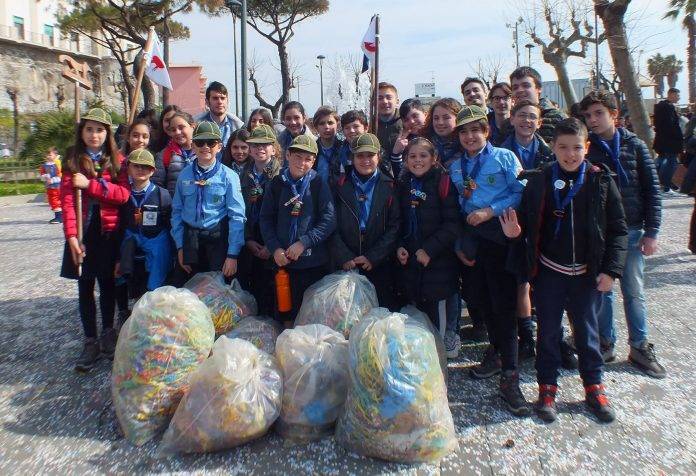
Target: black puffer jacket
x: 668, y: 134
x: 439, y: 227
x: 378, y: 243
x: 641, y: 196
x: 550, y: 117
x: 607, y: 237
x: 252, y: 204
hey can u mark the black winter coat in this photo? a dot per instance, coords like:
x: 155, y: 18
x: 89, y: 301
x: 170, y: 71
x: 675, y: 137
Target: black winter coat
x: 439, y: 227
x: 252, y: 205
x: 378, y: 243
x: 668, y: 133
x: 550, y: 117
x: 641, y: 196
x: 607, y: 238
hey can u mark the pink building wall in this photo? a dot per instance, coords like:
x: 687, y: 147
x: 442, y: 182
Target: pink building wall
x: 189, y: 87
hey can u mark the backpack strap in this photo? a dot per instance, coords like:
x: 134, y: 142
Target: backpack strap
x: 444, y: 186
x: 341, y: 180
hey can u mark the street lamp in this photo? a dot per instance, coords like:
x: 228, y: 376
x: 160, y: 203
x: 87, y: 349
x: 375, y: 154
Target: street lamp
x: 242, y: 4
x: 529, y: 47
x: 321, y: 59
x: 516, y: 38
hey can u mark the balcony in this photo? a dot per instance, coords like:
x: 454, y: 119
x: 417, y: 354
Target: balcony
x: 62, y: 44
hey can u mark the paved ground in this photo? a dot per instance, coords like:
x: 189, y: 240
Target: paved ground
x: 54, y: 421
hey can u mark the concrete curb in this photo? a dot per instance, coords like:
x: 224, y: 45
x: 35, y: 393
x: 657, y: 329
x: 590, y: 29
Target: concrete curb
x: 23, y: 199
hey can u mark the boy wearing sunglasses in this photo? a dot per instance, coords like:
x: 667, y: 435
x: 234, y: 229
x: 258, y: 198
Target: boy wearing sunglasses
x: 207, y: 211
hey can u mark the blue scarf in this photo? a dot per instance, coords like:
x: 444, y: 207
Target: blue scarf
x: 259, y: 180
x: 298, y: 190
x: 417, y: 196
x: 188, y: 155
x: 138, y: 198
x: 560, y: 206
x: 95, y: 156
x: 470, y: 178
x: 285, y: 138
x: 613, y: 150
x: 363, y: 194
x: 201, y: 177
x: 446, y: 151
x: 534, y: 148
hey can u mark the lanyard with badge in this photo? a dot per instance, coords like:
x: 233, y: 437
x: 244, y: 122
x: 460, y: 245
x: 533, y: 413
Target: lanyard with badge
x: 470, y: 178
x: 140, y: 216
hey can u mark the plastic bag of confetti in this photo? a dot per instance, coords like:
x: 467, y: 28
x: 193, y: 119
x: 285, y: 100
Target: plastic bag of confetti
x: 168, y: 334
x: 314, y: 360
x: 228, y: 304
x: 262, y: 331
x: 235, y: 397
x: 338, y: 301
x: 397, y: 406
x: 415, y: 313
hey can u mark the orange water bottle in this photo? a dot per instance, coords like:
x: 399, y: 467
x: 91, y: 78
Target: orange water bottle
x: 282, y: 282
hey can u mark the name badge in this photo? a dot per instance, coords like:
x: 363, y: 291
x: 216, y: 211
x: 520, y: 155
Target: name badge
x: 149, y: 218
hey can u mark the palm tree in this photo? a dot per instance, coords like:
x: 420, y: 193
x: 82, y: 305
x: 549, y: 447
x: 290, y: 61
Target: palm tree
x: 687, y: 9
x: 673, y: 67
x: 657, y: 71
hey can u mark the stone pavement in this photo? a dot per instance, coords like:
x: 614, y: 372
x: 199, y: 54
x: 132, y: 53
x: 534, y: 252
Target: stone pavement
x: 55, y: 421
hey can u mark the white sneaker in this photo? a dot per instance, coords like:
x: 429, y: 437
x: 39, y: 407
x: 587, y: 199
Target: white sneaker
x: 452, y: 344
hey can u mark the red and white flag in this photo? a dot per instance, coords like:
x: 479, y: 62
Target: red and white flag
x: 369, y: 44
x: 156, y: 70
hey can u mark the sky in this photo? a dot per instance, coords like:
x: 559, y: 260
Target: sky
x: 438, y: 40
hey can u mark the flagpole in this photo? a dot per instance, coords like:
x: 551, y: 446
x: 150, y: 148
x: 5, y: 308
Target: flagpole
x: 375, y: 93
x: 141, y: 73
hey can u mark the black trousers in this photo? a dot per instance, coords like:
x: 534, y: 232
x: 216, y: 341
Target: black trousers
x: 437, y: 312
x: 578, y: 295
x: 300, y: 280
x: 209, y: 255
x: 494, y: 294
x: 381, y: 278
x: 467, y: 290
x: 88, y: 306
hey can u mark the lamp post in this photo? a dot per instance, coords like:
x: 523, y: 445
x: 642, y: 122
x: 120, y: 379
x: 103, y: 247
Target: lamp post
x: 515, y: 38
x: 529, y: 47
x: 242, y: 4
x: 321, y: 59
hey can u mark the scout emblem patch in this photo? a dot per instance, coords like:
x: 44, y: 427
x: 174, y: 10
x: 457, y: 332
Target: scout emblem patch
x: 469, y: 187
x: 296, y: 206
x: 418, y: 197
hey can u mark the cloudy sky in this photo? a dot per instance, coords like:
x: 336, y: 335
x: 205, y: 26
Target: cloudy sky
x: 421, y: 41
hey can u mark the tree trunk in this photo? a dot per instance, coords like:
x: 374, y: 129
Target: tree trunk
x: 612, y: 14
x: 14, y: 96
x: 149, y: 94
x: 690, y: 24
x: 285, y: 75
x: 558, y: 63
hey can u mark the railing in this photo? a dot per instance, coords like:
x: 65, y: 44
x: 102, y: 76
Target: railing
x: 85, y: 46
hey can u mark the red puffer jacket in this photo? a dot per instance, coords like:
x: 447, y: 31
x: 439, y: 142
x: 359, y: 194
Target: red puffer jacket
x: 110, y: 196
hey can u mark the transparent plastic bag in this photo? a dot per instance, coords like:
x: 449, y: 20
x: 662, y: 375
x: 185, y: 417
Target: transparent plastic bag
x: 168, y: 334
x: 235, y: 397
x: 397, y: 406
x: 228, y: 304
x: 314, y: 360
x: 262, y: 331
x: 415, y: 313
x: 338, y: 301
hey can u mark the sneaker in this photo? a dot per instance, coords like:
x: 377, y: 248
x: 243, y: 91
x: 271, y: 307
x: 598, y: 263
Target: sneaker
x: 452, y: 344
x: 490, y: 365
x: 512, y: 395
x: 607, y: 350
x: 107, y: 342
x: 569, y: 360
x: 545, y: 407
x: 645, y: 359
x: 474, y: 333
x: 55, y: 221
x: 89, y: 355
x: 597, y: 401
x: 669, y: 193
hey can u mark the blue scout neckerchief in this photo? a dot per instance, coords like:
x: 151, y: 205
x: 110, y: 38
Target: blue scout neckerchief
x: 286, y: 137
x: 259, y: 179
x: 470, y: 178
x: 363, y: 193
x: 138, y: 198
x: 200, y: 177
x: 533, y: 149
x: 298, y: 189
x: 613, y: 150
x: 187, y: 155
x: 417, y: 196
x: 558, y: 185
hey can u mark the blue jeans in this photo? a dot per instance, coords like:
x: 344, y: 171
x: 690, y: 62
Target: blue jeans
x: 633, y: 297
x: 454, y: 311
x: 666, y: 165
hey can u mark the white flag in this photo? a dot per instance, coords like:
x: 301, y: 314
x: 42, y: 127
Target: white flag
x: 156, y: 70
x: 369, y: 44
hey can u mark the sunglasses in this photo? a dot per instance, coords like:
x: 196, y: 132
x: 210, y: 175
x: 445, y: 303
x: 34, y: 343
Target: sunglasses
x: 203, y: 142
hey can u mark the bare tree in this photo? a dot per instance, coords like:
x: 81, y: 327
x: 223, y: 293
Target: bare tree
x: 347, y: 87
x: 568, y: 34
x: 488, y: 69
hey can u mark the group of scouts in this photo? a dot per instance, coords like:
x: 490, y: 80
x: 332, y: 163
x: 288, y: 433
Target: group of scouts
x: 501, y: 204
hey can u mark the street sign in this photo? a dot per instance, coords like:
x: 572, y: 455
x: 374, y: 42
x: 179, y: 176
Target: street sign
x: 425, y: 89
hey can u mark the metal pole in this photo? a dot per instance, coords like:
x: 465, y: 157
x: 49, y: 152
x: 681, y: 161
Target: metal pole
x: 245, y: 79
x: 596, y: 37
x: 236, y: 80
x: 321, y: 76
x: 517, y: 45
x: 376, y: 82
x: 167, y: 33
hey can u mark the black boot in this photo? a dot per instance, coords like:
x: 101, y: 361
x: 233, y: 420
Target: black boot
x: 89, y: 356
x: 512, y: 395
x: 489, y: 366
x: 545, y: 407
x: 107, y: 343
x: 526, y: 331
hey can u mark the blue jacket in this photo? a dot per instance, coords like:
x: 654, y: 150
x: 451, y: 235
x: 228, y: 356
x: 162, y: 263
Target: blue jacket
x: 317, y: 221
x: 222, y: 197
x: 497, y: 185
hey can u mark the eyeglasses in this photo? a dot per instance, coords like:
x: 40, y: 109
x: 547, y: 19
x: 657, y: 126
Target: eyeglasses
x: 501, y: 98
x: 203, y: 142
x: 524, y: 116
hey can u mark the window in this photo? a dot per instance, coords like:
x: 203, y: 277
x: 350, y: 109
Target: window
x: 18, y: 24
x: 75, y: 41
x: 48, y: 35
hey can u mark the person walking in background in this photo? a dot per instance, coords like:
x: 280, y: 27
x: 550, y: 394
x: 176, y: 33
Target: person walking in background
x: 669, y: 140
